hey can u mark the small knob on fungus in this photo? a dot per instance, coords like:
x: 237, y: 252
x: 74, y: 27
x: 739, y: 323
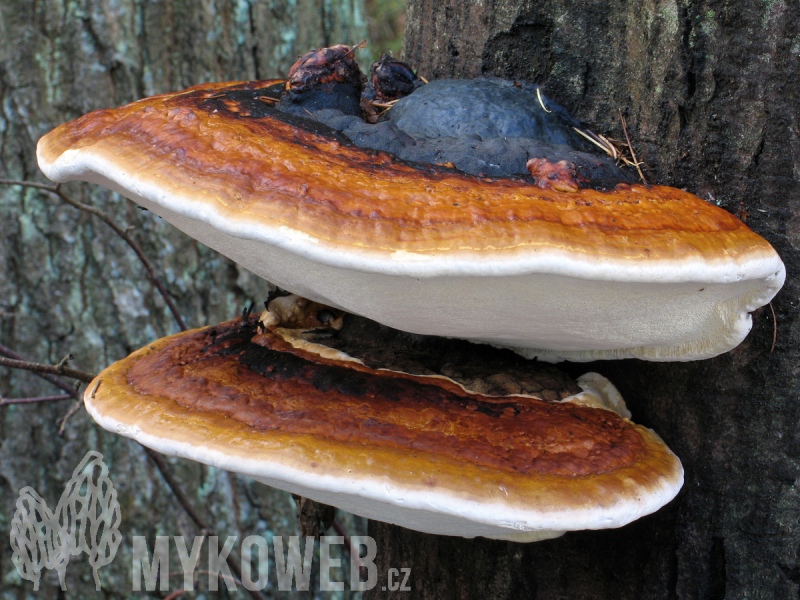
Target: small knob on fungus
x: 317, y: 68
x: 561, y: 176
x: 324, y: 78
x: 393, y: 79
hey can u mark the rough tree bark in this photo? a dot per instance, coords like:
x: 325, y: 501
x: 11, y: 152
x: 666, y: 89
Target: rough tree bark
x: 68, y: 284
x: 710, y: 91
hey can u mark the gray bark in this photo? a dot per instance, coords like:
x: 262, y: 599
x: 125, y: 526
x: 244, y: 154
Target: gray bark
x: 710, y: 91
x: 70, y: 285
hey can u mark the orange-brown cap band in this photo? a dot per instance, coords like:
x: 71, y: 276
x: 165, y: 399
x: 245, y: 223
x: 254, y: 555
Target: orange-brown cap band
x: 415, y: 450
x: 300, y: 393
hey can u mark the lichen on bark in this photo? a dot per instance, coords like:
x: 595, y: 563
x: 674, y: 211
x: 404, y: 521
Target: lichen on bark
x: 68, y: 284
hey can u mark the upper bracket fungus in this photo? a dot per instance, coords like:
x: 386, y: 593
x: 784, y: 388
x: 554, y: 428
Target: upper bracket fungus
x: 575, y: 269
x: 420, y: 451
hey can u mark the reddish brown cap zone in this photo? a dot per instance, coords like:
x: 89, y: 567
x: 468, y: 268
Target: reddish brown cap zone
x: 324, y: 66
x: 255, y: 396
x: 251, y: 161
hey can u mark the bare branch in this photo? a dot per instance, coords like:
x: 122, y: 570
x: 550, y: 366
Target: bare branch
x: 7, y: 401
x: 630, y: 146
x: 63, y: 423
x: 158, y: 459
x: 183, y: 499
x: 9, y: 353
x: 356, y: 47
x: 151, y: 272
x: 50, y: 369
x: 774, y: 328
x: 173, y: 484
x: 72, y: 392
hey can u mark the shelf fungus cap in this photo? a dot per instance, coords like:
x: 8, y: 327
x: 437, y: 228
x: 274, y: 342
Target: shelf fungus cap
x: 417, y: 451
x: 634, y: 271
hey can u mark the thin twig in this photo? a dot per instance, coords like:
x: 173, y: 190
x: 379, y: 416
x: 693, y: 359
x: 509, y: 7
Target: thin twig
x: 539, y: 96
x: 9, y: 353
x: 50, y: 369
x: 158, y: 459
x: 72, y: 391
x: 183, y: 499
x: 63, y: 362
x: 383, y: 112
x: 63, y: 423
x: 630, y: 147
x: 151, y: 272
x: 774, y: 329
x: 609, y: 146
x: 387, y: 105
x: 614, y: 152
x: 175, y: 594
x: 6, y: 401
x: 173, y: 484
x: 608, y: 149
x: 356, y: 47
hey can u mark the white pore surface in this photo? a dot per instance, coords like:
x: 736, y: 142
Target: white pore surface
x: 437, y: 511
x: 541, y: 303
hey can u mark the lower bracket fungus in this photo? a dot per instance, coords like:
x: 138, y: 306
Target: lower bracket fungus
x: 573, y: 262
x: 421, y: 451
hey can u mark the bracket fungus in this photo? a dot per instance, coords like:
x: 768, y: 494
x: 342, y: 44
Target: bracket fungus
x: 415, y: 450
x: 564, y: 271
x: 548, y: 257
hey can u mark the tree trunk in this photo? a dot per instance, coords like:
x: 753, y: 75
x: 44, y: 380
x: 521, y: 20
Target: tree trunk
x: 710, y: 91
x: 68, y: 284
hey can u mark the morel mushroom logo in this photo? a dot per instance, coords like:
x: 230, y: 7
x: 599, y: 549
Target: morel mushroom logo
x: 86, y: 520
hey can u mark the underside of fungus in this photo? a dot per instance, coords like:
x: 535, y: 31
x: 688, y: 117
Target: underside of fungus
x: 421, y: 451
x: 557, y: 266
